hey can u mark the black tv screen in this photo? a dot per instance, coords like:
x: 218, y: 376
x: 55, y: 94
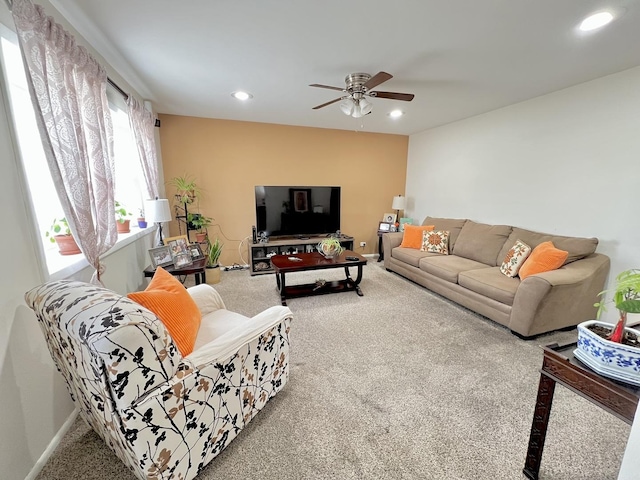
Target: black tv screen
x: 297, y: 211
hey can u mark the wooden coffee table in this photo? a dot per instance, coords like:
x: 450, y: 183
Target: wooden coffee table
x: 283, y: 264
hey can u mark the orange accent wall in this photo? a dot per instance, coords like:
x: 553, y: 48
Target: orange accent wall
x: 229, y: 158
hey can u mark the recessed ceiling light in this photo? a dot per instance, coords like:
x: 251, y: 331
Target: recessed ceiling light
x: 396, y: 113
x: 240, y: 95
x: 595, y: 21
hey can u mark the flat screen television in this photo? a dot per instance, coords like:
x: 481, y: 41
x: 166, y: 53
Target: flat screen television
x: 284, y: 211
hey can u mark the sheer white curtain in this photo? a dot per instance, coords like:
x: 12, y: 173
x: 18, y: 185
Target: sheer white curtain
x: 142, y: 125
x: 68, y: 89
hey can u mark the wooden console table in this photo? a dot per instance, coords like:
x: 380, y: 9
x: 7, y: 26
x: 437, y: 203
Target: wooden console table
x: 559, y: 365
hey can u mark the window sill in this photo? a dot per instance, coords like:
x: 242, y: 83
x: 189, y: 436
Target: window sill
x: 64, y: 266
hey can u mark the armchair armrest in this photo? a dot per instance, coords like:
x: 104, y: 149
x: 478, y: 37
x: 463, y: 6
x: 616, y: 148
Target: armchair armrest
x: 207, y: 298
x: 226, y: 344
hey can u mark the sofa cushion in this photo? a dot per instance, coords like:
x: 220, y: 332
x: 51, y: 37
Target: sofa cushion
x: 544, y: 258
x: 448, y: 267
x: 482, y: 242
x: 491, y: 283
x: 412, y: 235
x: 515, y: 258
x: 451, y: 225
x: 435, y: 242
x: 216, y: 324
x: 410, y: 256
x: 578, y: 247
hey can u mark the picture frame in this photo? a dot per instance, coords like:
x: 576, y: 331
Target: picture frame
x: 404, y: 221
x: 384, y: 227
x: 171, y: 239
x: 160, y: 256
x: 300, y: 199
x: 196, y: 251
x: 389, y: 218
x: 180, y: 252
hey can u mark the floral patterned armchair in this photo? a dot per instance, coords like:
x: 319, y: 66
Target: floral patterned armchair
x: 164, y: 415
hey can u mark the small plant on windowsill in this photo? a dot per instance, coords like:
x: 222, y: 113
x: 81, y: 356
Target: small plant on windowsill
x: 122, y: 217
x: 142, y: 223
x: 60, y: 233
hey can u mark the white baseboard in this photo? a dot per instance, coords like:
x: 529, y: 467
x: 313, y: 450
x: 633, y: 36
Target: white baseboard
x: 53, y: 444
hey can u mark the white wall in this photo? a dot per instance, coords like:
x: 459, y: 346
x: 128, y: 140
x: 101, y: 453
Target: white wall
x: 33, y: 398
x: 566, y: 163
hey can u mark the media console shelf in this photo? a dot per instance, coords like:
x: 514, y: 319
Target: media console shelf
x: 260, y: 253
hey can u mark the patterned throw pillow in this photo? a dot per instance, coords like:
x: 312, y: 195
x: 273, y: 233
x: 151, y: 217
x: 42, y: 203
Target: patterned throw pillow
x: 435, y: 242
x: 515, y: 258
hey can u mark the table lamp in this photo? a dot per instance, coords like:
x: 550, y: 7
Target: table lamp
x: 157, y: 211
x: 399, y: 203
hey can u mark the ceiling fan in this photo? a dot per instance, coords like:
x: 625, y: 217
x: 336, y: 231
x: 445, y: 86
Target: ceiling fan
x: 358, y: 87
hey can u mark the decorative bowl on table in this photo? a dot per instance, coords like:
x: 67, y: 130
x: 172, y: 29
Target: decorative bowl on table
x: 610, y: 359
x: 330, y: 247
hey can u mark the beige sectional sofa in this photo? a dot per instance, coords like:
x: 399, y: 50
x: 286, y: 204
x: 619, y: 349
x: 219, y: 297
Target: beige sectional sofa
x: 470, y: 275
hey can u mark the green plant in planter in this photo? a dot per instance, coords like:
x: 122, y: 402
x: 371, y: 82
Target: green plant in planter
x: 199, y: 221
x: 121, y: 212
x: 215, y: 250
x: 626, y: 298
x: 58, y: 227
x: 187, y: 190
x: 330, y: 247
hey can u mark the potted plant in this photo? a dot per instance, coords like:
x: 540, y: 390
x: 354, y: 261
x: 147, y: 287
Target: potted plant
x: 123, y: 223
x: 142, y: 223
x: 213, y: 258
x: 200, y: 223
x: 60, y: 233
x: 330, y: 247
x: 187, y: 190
x: 614, y: 350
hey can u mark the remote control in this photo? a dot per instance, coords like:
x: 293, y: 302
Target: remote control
x: 352, y: 259
x: 295, y: 259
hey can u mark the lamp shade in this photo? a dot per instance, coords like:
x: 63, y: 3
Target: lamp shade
x: 157, y: 211
x: 399, y: 202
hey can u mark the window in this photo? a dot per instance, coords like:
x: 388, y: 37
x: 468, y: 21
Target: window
x: 44, y: 198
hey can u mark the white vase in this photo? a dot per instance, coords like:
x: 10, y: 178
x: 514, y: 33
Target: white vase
x: 610, y: 359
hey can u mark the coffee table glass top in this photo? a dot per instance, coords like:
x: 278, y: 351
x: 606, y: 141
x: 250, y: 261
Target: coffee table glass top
x: 315, y: 261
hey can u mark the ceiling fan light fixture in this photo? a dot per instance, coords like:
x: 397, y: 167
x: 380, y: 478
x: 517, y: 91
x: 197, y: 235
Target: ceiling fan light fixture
x: 347, y: 106
x: 365, y: 106
x: 357, y: 110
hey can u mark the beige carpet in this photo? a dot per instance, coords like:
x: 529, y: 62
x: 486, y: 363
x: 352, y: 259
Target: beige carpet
x: 397, y: 384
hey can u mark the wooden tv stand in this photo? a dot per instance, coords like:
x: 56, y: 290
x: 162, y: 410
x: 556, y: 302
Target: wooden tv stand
x: 260, y: 253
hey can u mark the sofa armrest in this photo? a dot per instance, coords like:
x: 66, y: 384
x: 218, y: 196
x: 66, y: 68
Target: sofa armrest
x: 389, y: 242
x: 207, y: 298
x: 560, y: 298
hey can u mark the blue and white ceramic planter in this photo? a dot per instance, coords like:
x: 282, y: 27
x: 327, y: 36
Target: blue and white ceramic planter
x: 610, y: 359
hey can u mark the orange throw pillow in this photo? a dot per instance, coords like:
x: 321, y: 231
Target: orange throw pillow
x: 169, y: 300
x: 544, y: 258
x: 412, y: 237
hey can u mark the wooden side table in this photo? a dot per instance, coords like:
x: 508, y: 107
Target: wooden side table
x: 197, y: 268
x: 560, y: 366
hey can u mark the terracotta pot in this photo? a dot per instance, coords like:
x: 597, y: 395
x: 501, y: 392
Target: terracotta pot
x: 67, y: 245
x: 123, y: 227
x: 201, y: 237
x: 142, y: 223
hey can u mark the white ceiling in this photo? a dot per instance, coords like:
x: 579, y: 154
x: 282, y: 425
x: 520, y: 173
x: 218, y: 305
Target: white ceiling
x: 459, y: 57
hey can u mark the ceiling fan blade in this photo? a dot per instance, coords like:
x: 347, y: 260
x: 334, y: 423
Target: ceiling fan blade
x: 327, y: 86
x: 377, y: 79
x: 328, y: 103
x: 405, y: 97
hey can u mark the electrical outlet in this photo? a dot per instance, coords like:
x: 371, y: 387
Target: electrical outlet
x: 363, y: 244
